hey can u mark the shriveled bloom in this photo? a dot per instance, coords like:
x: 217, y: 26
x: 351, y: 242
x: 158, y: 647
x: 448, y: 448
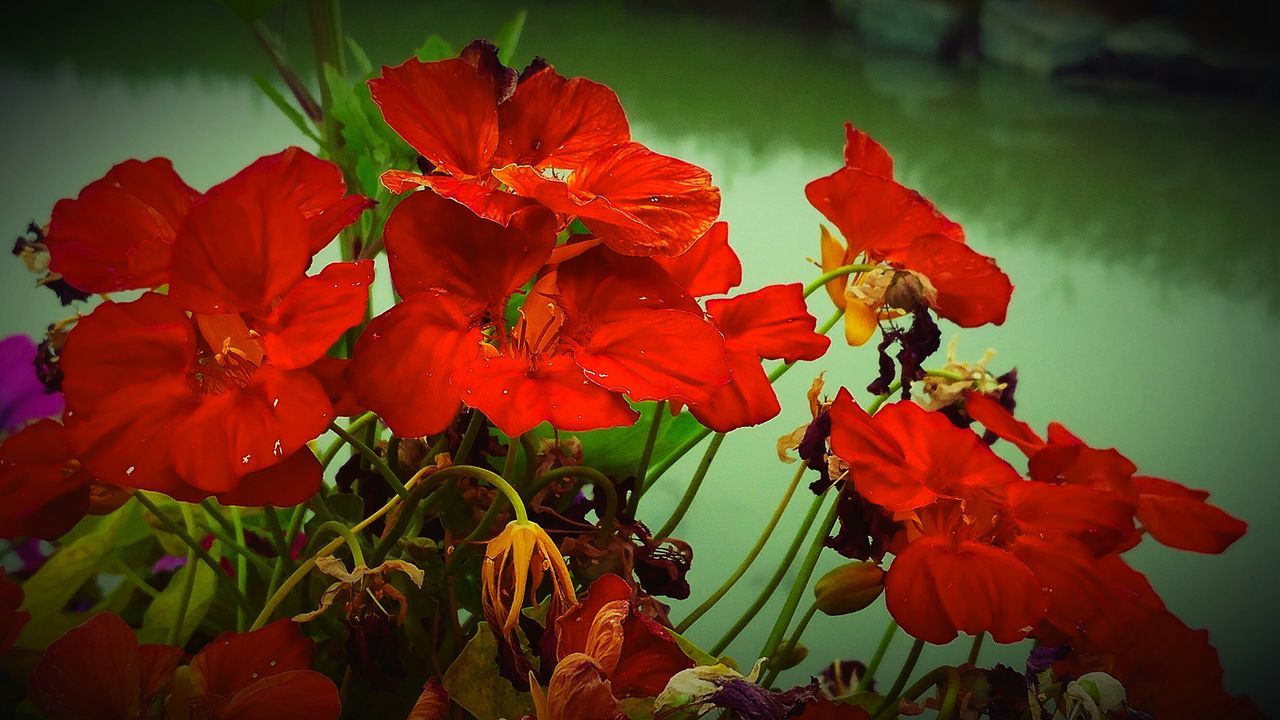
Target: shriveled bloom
x: 514, y: 564
x: 353, y: 587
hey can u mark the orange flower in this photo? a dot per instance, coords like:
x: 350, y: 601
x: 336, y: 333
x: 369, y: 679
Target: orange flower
x: 514, y: 562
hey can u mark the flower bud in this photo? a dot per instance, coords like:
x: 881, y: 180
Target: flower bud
x: 790, y: 656
x: 849, y: 588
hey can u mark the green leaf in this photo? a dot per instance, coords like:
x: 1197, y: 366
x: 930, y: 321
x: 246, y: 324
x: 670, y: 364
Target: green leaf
x: 250, y: 10
x: 348, y: 507
x: 75, y: 563
x: 693, y: 652
x: 435, y: 48
x: 289, y: 111
x: 473, y: 682
x: 617, y: 451
x: 360, y: 56
x: 163, y: 611
x: 508, y: 37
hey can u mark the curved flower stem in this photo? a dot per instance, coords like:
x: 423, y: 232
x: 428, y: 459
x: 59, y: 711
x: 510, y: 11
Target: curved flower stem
x: 508, y: 492
x: 242, y: 568
x: 882, y: 399
x: 976, y: 648
x: 416, y: 497
x: 277, y: 530
x: 820, y: 281
x: 348, y: 537
x: 786, y: 650
x: 530, y: 450
x: 692, y: 490
x: 642, y: 468
x: 869, y: 674
x: 374, y: 459
x: 781, y: 572
x: 948, y: 375
x: 331, y: 452
x: 946, y: 709
x: 469, y: 436
x: 188, y: 584
x: 603, y: 484
x: 295, y: 526
x: 189, y: 541
x: 801, y: 582
x: 889, y: 708
x: 226, y: 534
x: 749, y: 559
x: 133, y: 578
x: 665, y: 463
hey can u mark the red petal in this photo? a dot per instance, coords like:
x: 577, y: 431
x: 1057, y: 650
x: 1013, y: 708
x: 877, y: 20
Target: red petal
x: 489, y: 203
x: 414, y: 97
x: 414, y: 397
x: 117, y: 234
x: 235, y: 433
x: 332, y: 374
x: 95, y: 671
x: 234, y: 661
x: 293, y: 695
x: 242, y: 247
x: 637, y: 201
x: 1101, y: 520
x: 314, y: 186
x: 518, y: 394
x: 439, y: 246
x: 936, y: 588
x: 1179, y: 517
x: 773, y: 322
x: 40, y: 496
x: 748, y: 399
x: 313, y: 315
x: 12, y: 617
x: 287, y: 483
x: 972, y: 290
x: 876, y: 215
x: 904, y: 456
x: 1000, y: 421
x: 579, y: 690
x: 710, y: 267
x: 657, y: 355
x: 863, y: 153
x: 599, y: 286
x: 1078, y: 464
x: 557, y: 122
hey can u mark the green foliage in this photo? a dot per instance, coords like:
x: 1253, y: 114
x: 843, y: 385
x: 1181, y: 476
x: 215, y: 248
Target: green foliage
x: 508, y: 37
x: 346, y: 507
x: 283, y: 105
x: 473, y: 681
x: 163, y: 611
x: 250, y: 10
x: 434, y: 48
x: 616, y: 451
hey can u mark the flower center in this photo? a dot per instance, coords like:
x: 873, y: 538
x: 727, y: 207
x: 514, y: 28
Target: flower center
x: 227, y: 355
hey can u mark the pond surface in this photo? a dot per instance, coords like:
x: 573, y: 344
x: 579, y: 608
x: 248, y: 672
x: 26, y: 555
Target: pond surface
x: 1139, y: 234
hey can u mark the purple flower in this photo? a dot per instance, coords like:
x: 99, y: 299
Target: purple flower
x: 23, y: 397
x: 168, y: 564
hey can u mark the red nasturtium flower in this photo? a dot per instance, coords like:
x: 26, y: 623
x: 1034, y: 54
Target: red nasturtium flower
x: 43, y: 490
x: 885, y: 221
x: 598, y: 326
x: 562, y: 142
x: 207, y: 390
x: 98, y: 671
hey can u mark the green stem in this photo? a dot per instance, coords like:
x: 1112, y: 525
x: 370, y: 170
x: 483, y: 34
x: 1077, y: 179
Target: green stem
x: 331, y: 452
x: 348, y: 537
x: 665, y: 463
x: 770, y: 587
x: 820, y: 281
x: 188, y: 585
x: 869, y: 674
x: 277, y: 530
x: 275, y: 51
x: 530, y: 449
x: 242, y: 569
x: 823, y: 329
x: 790, y: 647
x: 882, y: 399
x: 642, y: 468
x: 134, y: 579
x: 602, y: 483
x: 469, y: 436
x: 889, y: 708
x: 229, y: 541
x: 976, y: 648
x: 800, y: 584
x: 189, y: 541
x: 946, y: 709
x: 751, y: 555
x: 691, y: 491
x: 283, y: 561
x: 213, y: 512
x: 373, y: 459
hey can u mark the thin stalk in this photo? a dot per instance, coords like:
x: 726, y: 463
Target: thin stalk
x: 819, y: 282
x: 469, y: 436
x: 188, y: 584
x: 136, y: 580
x: 869, y: 675
x: 889, y: 707
x: 277, y: 530
x: 373, y: 458
x: 530, y: 450
x: 229, y: 541
x: 271, y: 45
x: 348, y: 537
x: 947, y: 708
x: 882, y: 399
x: 189, y: 541
x: 800, y: 584
x: 405, y: 516
x: 692, y: 490
x: 295, y: 526
x: 665, y: 463
x: 770, y: 587
x: 212, y: 511
x: 642, y: 468
x: 603, y: 484
x: 331, y: 452
x: 790, y: 647
x: 749, y: 559
x: 976, y: 648
x: 242, y: 569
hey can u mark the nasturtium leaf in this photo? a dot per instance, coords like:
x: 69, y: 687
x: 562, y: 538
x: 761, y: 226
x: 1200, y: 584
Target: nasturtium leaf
x: 473, y: 682
x: 508, y: 37
x: 162, y: 613
x: 289, y: 111
x: 360, y: 56
x: 348, y: 507
x: 616, y: 451
x: 435, y: 48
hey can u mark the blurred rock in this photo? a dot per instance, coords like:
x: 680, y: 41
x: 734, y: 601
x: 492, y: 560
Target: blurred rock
x: 1041, y: 37
x: 926, y: 27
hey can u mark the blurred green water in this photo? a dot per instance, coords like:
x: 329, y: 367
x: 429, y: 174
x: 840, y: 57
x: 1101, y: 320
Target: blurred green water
x: 1138, y: 231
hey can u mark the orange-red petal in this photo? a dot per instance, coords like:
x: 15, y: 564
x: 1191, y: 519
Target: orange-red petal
x: 863, y: 153
x: 311, y: 317
x: 710, y: 267
x: 773, y: 322
x: 972, y: 289
x: 1181, y: 518
x: 558, y: 122
x: 876, y: 215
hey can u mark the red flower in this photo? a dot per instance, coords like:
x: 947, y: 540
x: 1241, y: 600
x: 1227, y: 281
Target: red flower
x: 43, y: 491
x: 905, y: 457
x: 98, y: 671
x: 206, y: 391
x: 883, y: 220
x: 12, y: 616
x: 564, y: 143
x: 710, y: 267
x: 1173, y: 514
x: 260, y: 675
x: 644, y: 654
x: 773, y: 323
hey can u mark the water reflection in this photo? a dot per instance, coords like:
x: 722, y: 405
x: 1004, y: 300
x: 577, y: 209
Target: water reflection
x: 1136, y: 230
